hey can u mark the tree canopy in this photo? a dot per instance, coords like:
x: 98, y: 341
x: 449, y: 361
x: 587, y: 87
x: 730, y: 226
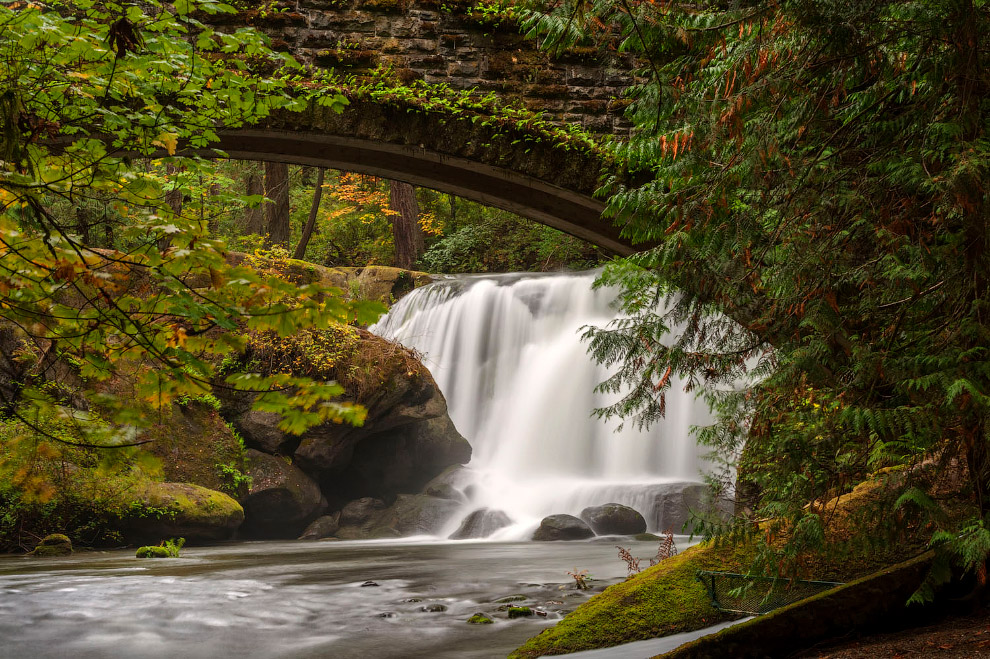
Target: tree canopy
x: 92, y: 92
x: 814, y: 182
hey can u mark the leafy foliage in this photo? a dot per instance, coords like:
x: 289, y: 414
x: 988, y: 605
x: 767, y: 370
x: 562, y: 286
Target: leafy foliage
x: 813, y: 191
x: 89, y: 87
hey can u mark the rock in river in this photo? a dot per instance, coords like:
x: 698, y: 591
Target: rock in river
x: 614, y: 518
x: 481, y: 523
x: 562, y: 527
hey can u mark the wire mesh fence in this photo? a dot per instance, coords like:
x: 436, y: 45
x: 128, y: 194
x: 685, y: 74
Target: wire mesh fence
x: 739, y: 593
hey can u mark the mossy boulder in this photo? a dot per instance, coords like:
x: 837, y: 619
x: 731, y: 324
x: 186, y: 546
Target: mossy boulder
x: 479, y: 619
x: 56, y: 544
x: 152, y: 551
x: 166, y: 510
x: 520, y: 612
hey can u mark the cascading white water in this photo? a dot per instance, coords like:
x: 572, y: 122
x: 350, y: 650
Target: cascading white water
x: 507, y: 353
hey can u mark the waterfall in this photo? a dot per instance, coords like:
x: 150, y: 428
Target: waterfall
x: 506, y: 351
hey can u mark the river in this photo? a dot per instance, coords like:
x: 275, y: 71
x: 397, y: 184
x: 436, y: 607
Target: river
x: 296, y: 600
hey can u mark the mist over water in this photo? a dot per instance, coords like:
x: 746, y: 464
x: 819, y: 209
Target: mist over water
x: 507, y: 353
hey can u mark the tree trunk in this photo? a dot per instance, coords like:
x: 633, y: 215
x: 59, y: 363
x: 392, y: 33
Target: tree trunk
x: 174, y: 200
x: 254, y: 218
x: 84, y: 220
x: 405, y: 225
x: 313, y: 212
x: 277, y: 208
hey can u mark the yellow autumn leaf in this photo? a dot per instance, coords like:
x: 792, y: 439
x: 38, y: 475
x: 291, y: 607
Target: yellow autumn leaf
x: 167, y: 141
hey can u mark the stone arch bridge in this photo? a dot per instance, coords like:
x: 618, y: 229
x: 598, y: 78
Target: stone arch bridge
x: 545, y: 177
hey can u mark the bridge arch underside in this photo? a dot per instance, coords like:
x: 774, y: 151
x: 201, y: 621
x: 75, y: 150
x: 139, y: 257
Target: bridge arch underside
x: 549, y: 185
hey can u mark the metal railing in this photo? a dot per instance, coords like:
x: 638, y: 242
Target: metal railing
x: 740, y: 593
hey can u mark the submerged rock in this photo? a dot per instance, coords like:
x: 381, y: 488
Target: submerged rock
x: 614, y: 518
x: 152, y: 551
x: 433, y: 608
x: 562, y: 527
x: 56, y: 544
x: 282, y: 499
x: 481, y: 523
x: 479, y: 619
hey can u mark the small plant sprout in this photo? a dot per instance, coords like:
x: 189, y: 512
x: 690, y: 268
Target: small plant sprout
x: 580, y: 579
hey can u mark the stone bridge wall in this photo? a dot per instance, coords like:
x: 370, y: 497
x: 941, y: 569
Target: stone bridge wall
x: 449, y: 42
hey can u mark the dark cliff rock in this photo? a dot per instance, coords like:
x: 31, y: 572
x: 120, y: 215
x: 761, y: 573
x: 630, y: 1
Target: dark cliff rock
x: 282, y: 499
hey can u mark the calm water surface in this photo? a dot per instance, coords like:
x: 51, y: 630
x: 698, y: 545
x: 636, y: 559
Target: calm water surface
x: 294, y: 600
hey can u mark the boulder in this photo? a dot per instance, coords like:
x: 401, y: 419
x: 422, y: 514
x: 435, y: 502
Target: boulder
x: 415, y: 514
x: 326, y: 450
x: 481, y: 523
x: 480, y: 619
x: 562, y: 527
x: 282, y: 499
x: 323, y: 527
x: 411, y: 514
x: 450, y: 483
x: 172, y: 510
x: 360, y: 511
x: 260, y: 431
x: 614, y: 519
x: 672, y: 505
x: 55, y: 544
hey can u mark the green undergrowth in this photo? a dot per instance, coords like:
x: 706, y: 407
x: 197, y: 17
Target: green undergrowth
x: 48, y: 486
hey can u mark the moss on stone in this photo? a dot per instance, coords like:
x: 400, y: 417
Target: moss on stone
x: 151, y: 551
x: 511, y: 598
x: 520, y: 612
x: 56, y: 544
x: 479, y: 619
x: 164, y: 510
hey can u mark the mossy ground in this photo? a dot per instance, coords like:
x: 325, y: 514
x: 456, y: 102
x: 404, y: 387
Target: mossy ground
x: 668, y: 599
x: 662, y: 600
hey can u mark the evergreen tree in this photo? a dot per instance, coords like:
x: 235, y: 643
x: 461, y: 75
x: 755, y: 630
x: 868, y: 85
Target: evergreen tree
x: 811, y: 187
